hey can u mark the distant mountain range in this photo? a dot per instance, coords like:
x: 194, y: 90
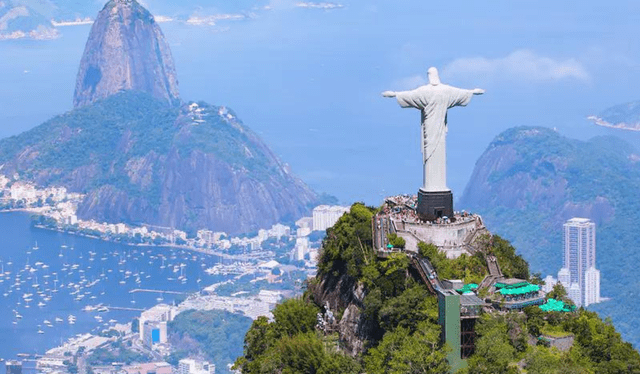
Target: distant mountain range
x: 141, y: 155
x: 530, y: 180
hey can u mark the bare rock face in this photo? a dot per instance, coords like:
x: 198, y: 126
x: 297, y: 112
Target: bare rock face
x: 126, y: 50
x: 346, y: 295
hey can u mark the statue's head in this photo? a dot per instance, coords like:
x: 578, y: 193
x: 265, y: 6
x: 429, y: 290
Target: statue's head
x: 434, y: 78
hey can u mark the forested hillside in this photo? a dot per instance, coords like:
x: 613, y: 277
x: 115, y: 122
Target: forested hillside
x: 381, y: 303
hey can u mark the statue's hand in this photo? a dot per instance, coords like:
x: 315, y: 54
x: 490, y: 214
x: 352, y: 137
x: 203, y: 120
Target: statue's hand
x: 389, y: 94
x: 478, y: 91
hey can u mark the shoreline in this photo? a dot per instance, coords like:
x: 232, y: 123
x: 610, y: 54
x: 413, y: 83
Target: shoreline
x: 174, y: 246
x: 225, y: 256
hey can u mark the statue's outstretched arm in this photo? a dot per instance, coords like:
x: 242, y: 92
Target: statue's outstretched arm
x: 477, y: 91
x: 389, y: 94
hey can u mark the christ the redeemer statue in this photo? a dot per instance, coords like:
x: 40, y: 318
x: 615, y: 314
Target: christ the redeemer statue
x: 434, y: 100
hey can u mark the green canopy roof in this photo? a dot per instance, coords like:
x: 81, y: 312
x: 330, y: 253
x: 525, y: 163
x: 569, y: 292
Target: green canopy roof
x: 467, y: 288
x: 523, y: 289
x: 553, y: 305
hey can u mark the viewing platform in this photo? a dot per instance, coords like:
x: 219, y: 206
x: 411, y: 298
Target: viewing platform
x: 452, y: 235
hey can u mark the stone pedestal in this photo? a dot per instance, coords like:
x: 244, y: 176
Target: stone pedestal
x: 434, y: 205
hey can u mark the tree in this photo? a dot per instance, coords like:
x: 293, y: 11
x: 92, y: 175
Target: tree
x: 295, y: 316
x: 535, y: 320
x: 414, y: 305
x: 396, y: 241
x: 494, y: 353
x: 403, y: 352
x: 348, y: 245
x: 558, y: 292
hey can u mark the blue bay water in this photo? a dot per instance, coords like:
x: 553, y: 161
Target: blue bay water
x: 73, y: 260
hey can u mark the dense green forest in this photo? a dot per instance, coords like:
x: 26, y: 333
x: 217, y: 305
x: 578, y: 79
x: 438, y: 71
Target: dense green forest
x: 403, y: 333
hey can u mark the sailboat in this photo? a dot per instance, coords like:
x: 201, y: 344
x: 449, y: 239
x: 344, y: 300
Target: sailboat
x: 35, y: 247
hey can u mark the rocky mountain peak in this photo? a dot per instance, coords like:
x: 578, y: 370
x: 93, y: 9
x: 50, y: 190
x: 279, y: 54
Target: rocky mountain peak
x: 126, y: 50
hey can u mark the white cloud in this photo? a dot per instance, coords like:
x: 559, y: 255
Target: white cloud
x: 522, y: 65
x: 323, y: 5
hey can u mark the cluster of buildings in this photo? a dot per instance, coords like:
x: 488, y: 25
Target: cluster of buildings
x: 55, y: 202
x: 220, y: 240
x: 579, y: 275
x: 191, y: 366
x: 323, y: 217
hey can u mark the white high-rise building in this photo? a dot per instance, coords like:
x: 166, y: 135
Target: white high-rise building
x: 592, y: 286
x: 578, y: 274
x: 325, y: 216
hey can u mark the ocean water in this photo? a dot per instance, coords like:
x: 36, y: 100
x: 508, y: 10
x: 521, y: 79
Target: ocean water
x: 47, y: 283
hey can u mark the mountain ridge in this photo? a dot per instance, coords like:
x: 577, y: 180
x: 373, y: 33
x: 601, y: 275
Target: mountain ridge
x: 178, y: 167
x: 530, y: 180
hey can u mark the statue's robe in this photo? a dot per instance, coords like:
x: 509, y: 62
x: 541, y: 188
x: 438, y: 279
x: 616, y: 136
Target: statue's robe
x: 434, y: 101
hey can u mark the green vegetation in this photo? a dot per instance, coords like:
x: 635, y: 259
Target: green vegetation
x: 348, y: 246
x: 116, y: 352
x: 400, y: 326
x: 145, y: 132
x: 548, y: 178
x: 470, y: 269
x: 217, y: 334
x: 290, y: 344
x: 403, y: 331
x: 396, y: 241
x: 597, y: 348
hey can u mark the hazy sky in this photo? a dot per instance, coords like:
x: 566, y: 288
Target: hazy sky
x: 309, y: 80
